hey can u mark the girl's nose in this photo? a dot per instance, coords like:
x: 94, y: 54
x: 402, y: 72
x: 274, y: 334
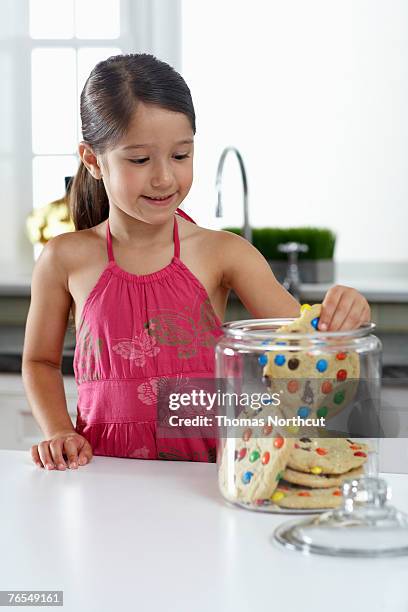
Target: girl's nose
x: 162, y: 175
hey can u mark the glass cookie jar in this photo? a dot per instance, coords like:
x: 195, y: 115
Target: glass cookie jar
x: 298, y: 414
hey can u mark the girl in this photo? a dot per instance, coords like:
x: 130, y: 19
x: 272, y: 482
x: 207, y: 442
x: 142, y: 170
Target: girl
x: 146, y: 286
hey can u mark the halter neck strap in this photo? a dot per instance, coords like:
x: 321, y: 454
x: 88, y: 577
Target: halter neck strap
x: 109, y: 242
x: 176, y: 239
x: 184, y: 215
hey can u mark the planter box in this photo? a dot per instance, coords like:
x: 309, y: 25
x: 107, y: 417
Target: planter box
x: 310, y: 270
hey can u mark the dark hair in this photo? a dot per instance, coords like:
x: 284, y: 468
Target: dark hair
x: 108, y: 101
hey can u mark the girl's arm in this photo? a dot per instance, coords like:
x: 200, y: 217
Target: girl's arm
x: 42, y: 354
x: 248, y: 273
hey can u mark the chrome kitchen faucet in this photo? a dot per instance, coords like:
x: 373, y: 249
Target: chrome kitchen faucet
x: 247, y: 231
x: 292, y: 279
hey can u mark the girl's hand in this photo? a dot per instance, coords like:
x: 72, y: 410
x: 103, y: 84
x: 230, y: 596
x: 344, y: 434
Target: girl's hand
x: 50, y: 453
x: 343, y: 308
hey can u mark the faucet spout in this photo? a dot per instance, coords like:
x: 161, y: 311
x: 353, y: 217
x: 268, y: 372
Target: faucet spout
x: 247, y: 231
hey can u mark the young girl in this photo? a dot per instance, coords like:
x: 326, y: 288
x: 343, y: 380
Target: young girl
x: 147, y: 287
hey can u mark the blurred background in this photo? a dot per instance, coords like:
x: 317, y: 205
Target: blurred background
x: 311, y: 94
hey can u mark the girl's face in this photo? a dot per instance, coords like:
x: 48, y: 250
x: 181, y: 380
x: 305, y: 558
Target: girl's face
x: 153, y: 160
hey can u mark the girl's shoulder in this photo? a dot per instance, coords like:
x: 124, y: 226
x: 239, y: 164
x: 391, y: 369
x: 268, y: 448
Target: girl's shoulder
x: 221, y: 246
x: 71, y: 248
x: 212, y: 237
x: 187, y: 229
x: 221, y: 239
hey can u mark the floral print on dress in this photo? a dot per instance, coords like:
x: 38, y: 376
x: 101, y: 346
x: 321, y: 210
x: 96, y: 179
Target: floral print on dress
x: 138, y: 348
x: 140, y: 453
x: 173, y: 328
x: 148, y: 391
x: 89, y: 350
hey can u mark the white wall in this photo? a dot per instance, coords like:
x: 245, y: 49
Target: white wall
x: 314, y: 95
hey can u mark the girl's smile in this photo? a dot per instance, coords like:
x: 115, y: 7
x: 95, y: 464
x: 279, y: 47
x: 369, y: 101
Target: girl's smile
x: 160, y: 201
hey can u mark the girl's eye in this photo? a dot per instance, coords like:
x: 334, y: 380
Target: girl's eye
x: 142, y: 161
x: 138, y: 161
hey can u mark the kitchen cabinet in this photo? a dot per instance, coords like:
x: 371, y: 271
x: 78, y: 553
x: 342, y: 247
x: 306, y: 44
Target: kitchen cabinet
x: 18, y: 428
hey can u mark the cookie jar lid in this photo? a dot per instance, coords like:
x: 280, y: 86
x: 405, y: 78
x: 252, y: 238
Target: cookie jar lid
x: 365, y: 526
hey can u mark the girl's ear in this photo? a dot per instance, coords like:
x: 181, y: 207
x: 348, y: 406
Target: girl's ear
x: 89, y: 159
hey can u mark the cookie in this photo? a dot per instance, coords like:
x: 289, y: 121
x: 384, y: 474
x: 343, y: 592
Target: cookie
x: 251, y: 467
x: 292, y: 496
x: 311, y: 382
x: 327, y: 455
x: 306, y: 323
x: 319, y: 481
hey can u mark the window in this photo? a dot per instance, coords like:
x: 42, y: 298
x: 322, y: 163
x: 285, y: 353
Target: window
x: 66, y: 43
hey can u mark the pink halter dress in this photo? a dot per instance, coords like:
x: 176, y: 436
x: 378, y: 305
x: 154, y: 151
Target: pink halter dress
x: 135, y: 332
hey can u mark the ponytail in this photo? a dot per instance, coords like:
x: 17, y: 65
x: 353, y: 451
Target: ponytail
x: 88, y: 201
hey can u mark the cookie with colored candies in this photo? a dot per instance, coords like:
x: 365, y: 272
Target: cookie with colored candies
x: 310, y: 398
x: 306, y: 323
x: 320, y: 481
x: 311, y: 382
x: 251, y: 467
x: 327, y: 455
x: 289, y: 495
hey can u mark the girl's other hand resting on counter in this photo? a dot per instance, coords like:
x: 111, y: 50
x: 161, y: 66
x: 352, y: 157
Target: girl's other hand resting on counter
x: 64, y: 444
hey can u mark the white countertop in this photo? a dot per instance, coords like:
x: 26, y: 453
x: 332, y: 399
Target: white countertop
x: 124, y: 534
x: 389, y: 290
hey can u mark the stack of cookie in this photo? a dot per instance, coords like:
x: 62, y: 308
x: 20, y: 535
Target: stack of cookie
x: 302, y: 473
x: 316, y: 470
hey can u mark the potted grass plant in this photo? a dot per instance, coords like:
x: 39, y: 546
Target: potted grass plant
x: 315, y: 266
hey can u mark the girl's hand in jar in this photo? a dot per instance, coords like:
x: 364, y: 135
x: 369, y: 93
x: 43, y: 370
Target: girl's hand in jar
x: 343, y: 308
x: 63, y: 445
